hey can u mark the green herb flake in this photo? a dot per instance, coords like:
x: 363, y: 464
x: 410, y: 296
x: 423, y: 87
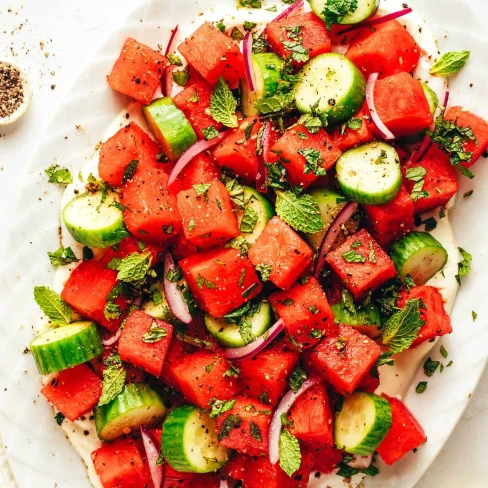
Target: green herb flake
x: 264, y: 270
x: 201, y: 282
x: 297, y: 378
x: 249, y: 220
x: 354, y: 123
x: 279, y: 103
x: 421, y: 387
x: 191, y: 224
x: 290, y: 455
x: 154, y: 334
x: 263, y: 398
x: 202, y: 188
x: 443, y: 352
x: 174, y: 59
x: 450, y: 63
x: 313, y: 162
x: 236, y: 34
x: 468, y: 194
x: 133, y: 268
x: 372, y: 253
x: 63, y: 256
x: 210, y: 133
x: 130, y: 171
x: 249, y: 26
x: 474, y: 315
x: 335, y: 11
x: 300, y: 211
x: 417, y: 175
x: 182, y: 77
x: 220, y: 26
x: 255, y: 432
x: 242, y: 276
x: 251, y: 3
x: 58, y: 175
x: 464, y: 266
x: 430, y: 366
x: 223, y: 105
x: 353, y: 256
x: 232, y: 372
x: 220, y: 406
x: 52, y: 305
x: 114, y: 376
x: 209, y: 367
x: 59, y: 417
x: 112, y: 311
x: 231, y: 422
x: 288, y: 301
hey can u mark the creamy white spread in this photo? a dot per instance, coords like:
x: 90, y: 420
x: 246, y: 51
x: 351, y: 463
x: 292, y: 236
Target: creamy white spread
x: 395, y: 380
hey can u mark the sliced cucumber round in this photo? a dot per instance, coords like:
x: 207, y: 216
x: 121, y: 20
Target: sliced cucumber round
x: 267, y: 68
x: 136, y: 405
x: 365, y: 318
x: 66, y: 347
x: 232, y: 335
x: 256, y: 206
x: 370, y: 174
x: 364, y: 10
x: 419, y: 255
x: 158, y: 306
x: 330, y: 204
x: 362, y: 424
x: 170, y: 127
x: 330, y: 84
x: 190, y: 443
x: 94, y: 223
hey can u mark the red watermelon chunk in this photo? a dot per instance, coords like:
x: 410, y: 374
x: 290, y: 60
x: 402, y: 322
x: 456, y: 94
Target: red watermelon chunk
x: 345, y: 359
x: 74, y: 392
x: 305, y: 311
x: 405, y: 434
x: 345, y: 137
x: 131, y: 245
x: 210, y: 52
x: 138, y: 70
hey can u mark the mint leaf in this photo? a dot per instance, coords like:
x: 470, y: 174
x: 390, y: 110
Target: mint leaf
x: 112, y: 310
x: 223, y: 105
x: 133, y: 268
x: 403, y: 327
x: 202, y: 188
x: 154, y: 334
x: 313, y: 162
x: 417, y: 175
x: 421, y: 387
x: 450, y: 63
x: 354, y: 123
x: 248, y: 26
x: 290, y: 455
x: 276, y: 104
x: 114, y: 376
x: 236, y: 34
x: 182, y: 77
x: 63, y: 256
x: 59, y: 175
x: 336, y: 10
x: 53, y: 306
x: 264, y: 270
x: 231, y: 422
x: 430, y: 366
x: 301, y: 212
x: 312, y: 123
x: 464, y: 266
x: 297, y: 378
x: 353, y: 256
x: 220, y: 406
x: 174, y: 59
x: 251, y: 3
x: 249, y: 220
x: 210, y: 133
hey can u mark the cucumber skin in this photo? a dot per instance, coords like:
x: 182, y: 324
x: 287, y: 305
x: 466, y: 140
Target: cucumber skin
x: 357, y: 320
x: 133, y: 396
x: 170, y: 127
x: 173, y: 440
x: 83, y: 350
x: 344, y: 109
x: 97, y: 239
x: 378, y: 431
x: 265, y: 214
x: 402, y: 250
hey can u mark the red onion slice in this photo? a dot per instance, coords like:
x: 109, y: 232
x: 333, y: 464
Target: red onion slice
x: 263, y: 158
x: 286, y: 403
x: 171, y: 39
x: 167, y: 81
x: 248, y: 68
x: 330, y: 236
x: 113, y: 339
x: 193, y: 151
x: 385, y: 132
x: 446, y: 99
x: 251, y: 349
x: 288, y: 11
x: 152, y: 455
x: 173, y: 295
x: 376, y: 21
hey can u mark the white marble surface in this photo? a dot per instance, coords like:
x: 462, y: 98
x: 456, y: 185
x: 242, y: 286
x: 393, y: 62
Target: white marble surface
x: 69, y: 32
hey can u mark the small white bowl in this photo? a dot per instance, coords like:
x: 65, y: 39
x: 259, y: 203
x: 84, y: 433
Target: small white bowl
x: 24, y: 106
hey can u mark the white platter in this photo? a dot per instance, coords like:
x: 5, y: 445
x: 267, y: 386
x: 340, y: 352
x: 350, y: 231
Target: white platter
x: 39, y: 454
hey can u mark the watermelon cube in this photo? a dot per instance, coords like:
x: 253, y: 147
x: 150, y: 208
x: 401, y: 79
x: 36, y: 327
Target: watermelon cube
x: 345, y: 137
x: 145, y: 341
x: 137, y: 72
x: 345, y: 359
x: 210, y: 52
x: 74, y: 392
x: 220, y: 279
x: 305, y: 311
x: 280, y: 247
x: 437, y: 320
x: 361, y: 264
x: 405, y: 434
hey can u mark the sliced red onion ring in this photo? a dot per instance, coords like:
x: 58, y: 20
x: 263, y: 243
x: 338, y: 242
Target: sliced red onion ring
x: 263, y: 157
x: 288, y: 11
x: 247, y: 52
x: 251, y: 349
x: 446, y: 99
x: 286, y: 403
x: 173, y: 295
x: 330, y: 236
x: 223, y: 483
x: 171, y: 39
x: 376, y: 21
x: 167, y: 81
x: 113, y: 339
x: 193, y: 151
x: 385, y: 132
x: 152, y: 455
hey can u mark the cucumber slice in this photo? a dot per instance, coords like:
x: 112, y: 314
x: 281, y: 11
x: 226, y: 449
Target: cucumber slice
x: 267, y: 68
x: 370, y: 174
x: 136, y: 405
x: 229, y: 335
x: 364, y: 10
x: 66, y: 347
x: 327, y: 199
x: 261, y: 206
x: 362, y: 424
x: 170, y: 127
x: 366, y: 319
x: 190, y: 443
x: 159, y: 310
x: 330, y: 84
x: 419, y: 255
x: 93, y: 223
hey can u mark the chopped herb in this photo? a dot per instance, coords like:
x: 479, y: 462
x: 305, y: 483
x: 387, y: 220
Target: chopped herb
x: 232, y: 421
x: 112, y: 311
x: 279, y: 103
x: 290, y: 455
x: 59, y: 175
x: 298, y: 52
x: 174, y: 275
x: 174, y: 59
x: 168, y: 229
x: 271, y: 9
x: 353, y: 256
x: 130, y: 171
x: 209, y: 367
x: 236, y: 34
x: 449, y: 364
x: 202, y: 189
x: 116, y: 204
x: 251, y: 3
x: 255, y: 432
x: 285, y: 420
x: 210, y: 133
x: 242, y: 277
x: 52, y: 305
x: 232, y: 372
x: 382, y: 157
x: 315, y: 334
x: 59, y: 418
x: 133, y: 268
x: 182, y: 77
x: 248, y: 26
x: 311, y: 123
x: 385, y: 359
x: 313, y: 162
x: 301, y: 211
x: 154, y: 334
x: 468, y: 194
x: 220, y: 26
x: 443, y: 352
x: 264, y: 270
x: 247, y: 292
x: 345, y: 471
x: 223, y: 104
x: 450, y: 63
x: 354, y: 123
x: 194, y: 98
x: 263, y: 398
x: 371, y: 470
x: 63, y: 256
x: 335, y: 11
x: 114, y: 376
x: 201, y: 282
x: 259, y: 44
x: 409, y: 283
x: 372, y: 253
x: 430, y: 224
x: 421, y: 387
x: 474, y: 315
x: 249, y: 220
x: 464, y: 266
x: 313, y: 309
x: 417, y: 175
x: 288, y: 301
x: 297, y: 378
x: 430, y: 366
x: 357, y: 243
x: 276, y: 177
x: 192, y: 224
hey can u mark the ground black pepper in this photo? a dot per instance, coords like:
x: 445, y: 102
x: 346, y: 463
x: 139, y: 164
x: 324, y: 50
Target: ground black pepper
x: 11, y: 90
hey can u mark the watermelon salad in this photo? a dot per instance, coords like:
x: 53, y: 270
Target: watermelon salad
x: 256, y: 247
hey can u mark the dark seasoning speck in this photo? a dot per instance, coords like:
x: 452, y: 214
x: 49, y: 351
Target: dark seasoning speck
x: 11, y: 90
